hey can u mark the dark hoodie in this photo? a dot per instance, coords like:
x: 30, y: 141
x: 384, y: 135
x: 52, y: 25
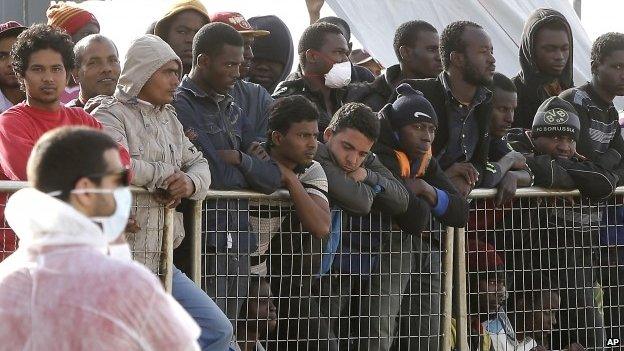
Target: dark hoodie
x: 277, y: 46
x: 415, y: 219
x: 530, y: 82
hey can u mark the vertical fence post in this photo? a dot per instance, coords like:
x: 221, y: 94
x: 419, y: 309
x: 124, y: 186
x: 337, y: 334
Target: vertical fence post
x: 196, y: 242
x: 447, y: 288
x: 167, y: 249
x: 460, y: 298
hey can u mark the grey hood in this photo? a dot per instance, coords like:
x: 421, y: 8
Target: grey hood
x: 145, y: 56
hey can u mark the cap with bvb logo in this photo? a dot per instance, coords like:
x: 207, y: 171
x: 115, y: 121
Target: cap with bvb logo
x: 556, y: 116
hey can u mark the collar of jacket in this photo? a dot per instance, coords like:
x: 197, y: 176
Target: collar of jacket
x: 482, y: 94
x: 596, y: 99
x: 189, y: 85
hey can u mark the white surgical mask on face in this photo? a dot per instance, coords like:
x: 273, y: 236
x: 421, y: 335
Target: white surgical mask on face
x: 113, y: 225
x: 339, y: 75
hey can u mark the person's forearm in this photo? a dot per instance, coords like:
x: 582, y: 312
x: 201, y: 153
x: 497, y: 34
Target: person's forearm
x: 314, y: 218
x: 523, y: 177
x: 505, y: 163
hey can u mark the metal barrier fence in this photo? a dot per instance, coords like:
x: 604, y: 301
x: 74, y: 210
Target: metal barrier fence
x: 545, y: 270
x: 383, y: 287
x: 152, y: 243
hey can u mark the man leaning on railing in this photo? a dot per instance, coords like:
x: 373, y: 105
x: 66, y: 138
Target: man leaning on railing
x: 166, y: 163
x: 550, y: 147
x: 366, y: 196
x: 295, y: 253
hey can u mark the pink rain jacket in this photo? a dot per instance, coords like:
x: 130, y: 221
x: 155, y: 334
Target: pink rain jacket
x: 59, y: 291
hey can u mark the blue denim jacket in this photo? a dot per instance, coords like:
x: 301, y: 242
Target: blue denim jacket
x: 213, y: 122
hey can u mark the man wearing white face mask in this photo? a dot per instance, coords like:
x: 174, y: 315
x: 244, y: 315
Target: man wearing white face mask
x: 59, y: 290
x: 324, y: 71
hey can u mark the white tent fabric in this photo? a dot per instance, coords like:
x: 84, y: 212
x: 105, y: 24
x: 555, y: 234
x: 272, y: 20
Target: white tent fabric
x: 373, y: 22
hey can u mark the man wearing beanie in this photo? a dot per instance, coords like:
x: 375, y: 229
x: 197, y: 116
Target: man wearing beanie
x: 178, y: 27
x: 550, y: 148
x: 273, y: 54
x: 252, y: 98
x: 408, y: 128
x: 76, y: 21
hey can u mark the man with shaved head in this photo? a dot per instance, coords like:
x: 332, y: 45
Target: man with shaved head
x: 97, y: 68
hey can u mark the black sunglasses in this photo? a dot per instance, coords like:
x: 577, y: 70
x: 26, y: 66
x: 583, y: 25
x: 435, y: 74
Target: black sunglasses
x: 124, y: 175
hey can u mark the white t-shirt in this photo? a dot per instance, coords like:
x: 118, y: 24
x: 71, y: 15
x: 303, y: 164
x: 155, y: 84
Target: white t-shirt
x: 270, y: 219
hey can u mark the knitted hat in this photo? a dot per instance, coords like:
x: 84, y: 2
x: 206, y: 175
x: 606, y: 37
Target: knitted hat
x: 70, y: 18
x: 177, y: 7
x: 11, y: 28
x: 556, y: 116
x: 482, y: 257
x: 411, y: 106
x: 238, y: 22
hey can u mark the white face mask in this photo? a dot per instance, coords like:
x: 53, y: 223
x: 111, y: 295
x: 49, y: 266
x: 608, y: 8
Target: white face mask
x: 120, y: 251
x: 339, y: 75
x: 113, y: 225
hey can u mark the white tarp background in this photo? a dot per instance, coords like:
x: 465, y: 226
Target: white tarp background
x: 373, y: 22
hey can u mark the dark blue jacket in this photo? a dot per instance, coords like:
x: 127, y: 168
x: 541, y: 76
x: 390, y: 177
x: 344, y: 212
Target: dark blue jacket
x: 213, y: 122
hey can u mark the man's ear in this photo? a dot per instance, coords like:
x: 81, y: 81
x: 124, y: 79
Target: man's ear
x: 276, y: 137
x: 404, y: 53
x: 310, y: 56
x: 74, y: 74
x: 457, y: 58
x: 83, y: 201
x: 203, y: 60
x: 593, y: 66
x: 327, y: 134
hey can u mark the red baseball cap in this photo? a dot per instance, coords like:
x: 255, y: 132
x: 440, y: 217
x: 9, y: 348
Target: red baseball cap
x: 238, y: 22
x: 11, y: 28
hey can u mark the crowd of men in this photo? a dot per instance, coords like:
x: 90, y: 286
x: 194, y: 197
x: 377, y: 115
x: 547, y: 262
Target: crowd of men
x: 208, y: 101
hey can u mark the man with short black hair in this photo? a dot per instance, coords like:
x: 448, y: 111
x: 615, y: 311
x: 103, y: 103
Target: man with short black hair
x: 216, y: 125
x: 324, y: 70
x: 545, y: 62
x: 416, y: 45
x: 178, y: 26
x: 10, y: 92
x: 75, y: 288
x: 368, y: 195
x: 506, y: 169
x: 97, y: 68
x: 298, y: 237
x: 461, y: 100
x: 358, y: 74
x: 43, y: 58
x: 253, y: 99
x: 600, y: 139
